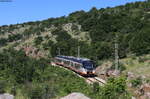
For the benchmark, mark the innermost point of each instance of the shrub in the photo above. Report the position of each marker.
(2, 86)
(3, 41)
(38, 40)
(13, 90)
(36, 93)
(96, 87)
(121, 66)
(41, 91)
(115, 89)
(142, 59)
(136, 82)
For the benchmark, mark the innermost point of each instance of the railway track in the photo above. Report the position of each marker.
(90, 80)
(96, 79)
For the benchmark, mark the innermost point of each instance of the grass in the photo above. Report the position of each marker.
(138, 65)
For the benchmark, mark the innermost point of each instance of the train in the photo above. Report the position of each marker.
(82, 66)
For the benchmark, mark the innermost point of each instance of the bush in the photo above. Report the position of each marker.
(3, 41)
(121, 66)
(14, 37)
(136, 82)
(48, 44)
(41, 91)
(115, 89)
(142, 59)
(36, 93)
(38, 40)
(13, 90)
(96, 87)
(2, 87)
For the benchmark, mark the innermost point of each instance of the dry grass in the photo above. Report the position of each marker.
(137, 67)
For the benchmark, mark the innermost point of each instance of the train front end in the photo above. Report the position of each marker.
(89, 69)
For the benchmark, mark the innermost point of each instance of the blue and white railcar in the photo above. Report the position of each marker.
(82, 66)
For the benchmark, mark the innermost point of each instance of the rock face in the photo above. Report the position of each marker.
(33, 52)
(6, 96)
(75, 96)
(145, 90)
(102, 70)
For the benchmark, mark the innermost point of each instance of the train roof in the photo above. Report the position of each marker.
(75, 59)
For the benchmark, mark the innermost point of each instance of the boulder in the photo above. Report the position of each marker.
(145, 91)
(6, 96)
(145, 88)
(75, 96)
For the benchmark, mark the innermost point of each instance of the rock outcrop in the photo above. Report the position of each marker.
(6, 96)
(75, 96)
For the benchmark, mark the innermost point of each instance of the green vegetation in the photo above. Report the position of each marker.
(38, 40)
(30, 78)
(137, 65)
(35, 78)
(2, 87)
(136, 82)
(121, 66)
(95, 32)
(114, 89)
(3, 41)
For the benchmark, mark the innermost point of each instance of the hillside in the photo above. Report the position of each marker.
(94, 30)
(29, 78)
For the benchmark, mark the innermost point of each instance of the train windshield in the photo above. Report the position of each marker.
(88, 64)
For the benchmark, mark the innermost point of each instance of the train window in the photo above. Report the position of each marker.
(58, 60)
(71, 63)
(66, 62)
(77, 66)
(53, 60)
(63, 60)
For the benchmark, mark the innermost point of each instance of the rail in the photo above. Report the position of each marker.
(96, 79)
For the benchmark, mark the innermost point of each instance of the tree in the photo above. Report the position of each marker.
(38, 40)
(140, 43)
(3, 41)
(103, 50)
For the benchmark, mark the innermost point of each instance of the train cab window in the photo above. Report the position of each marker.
(88, 65)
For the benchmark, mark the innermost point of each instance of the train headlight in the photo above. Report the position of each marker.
(84, 70)
(93, 71)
